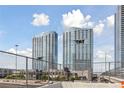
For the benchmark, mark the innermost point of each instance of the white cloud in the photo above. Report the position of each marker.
(100, 56)
(12, 50)
(99, 28)
(87, 18)
(76, 19)
(100, 52)
(26, 52)
(90, 24)
(40, 19)
(110, 21)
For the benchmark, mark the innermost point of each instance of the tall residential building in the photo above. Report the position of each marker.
(45, 47)
(119, 37)
(78, 49)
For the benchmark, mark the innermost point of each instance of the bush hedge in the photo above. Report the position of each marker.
(15, 76)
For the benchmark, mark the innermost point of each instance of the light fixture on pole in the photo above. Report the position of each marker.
(105, 62)
(16, 46)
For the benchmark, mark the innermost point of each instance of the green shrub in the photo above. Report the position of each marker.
(44, 77)
(77, 78)
(72, 78)
(62, 78)
(15, 76)
(59, 78)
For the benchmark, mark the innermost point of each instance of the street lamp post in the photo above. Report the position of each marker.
(105, 62)
(16, 58)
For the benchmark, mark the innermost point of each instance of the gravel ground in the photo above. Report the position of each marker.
(20, 83)
(54, 85)
(90, 85)
(65, 84)
(4, 85)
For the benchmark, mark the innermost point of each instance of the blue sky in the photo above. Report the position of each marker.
(16, 26)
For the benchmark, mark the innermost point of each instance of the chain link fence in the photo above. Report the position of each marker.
(18, 71)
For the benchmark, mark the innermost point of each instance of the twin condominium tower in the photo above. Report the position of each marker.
(77, 47)
(45, 47)
(77, 50)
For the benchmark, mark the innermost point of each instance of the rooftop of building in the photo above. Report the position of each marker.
(45, 33)
(76, 29)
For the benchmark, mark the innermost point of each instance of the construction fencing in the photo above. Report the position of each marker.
(18, 70)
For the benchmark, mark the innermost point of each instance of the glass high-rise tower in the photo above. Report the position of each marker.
(45, 47)
(119, 37)
(78, 49)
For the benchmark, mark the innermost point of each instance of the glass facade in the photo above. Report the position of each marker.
(119, 37)
(78, 49)
(45, 46)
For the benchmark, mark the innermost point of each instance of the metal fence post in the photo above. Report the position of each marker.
(27, 72)
(60, 68)
(48, 72)
(105, 63)
(109, 71)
